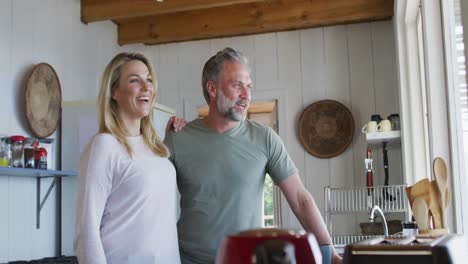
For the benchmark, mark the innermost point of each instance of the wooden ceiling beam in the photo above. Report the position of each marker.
(98, 10)
(250, 19)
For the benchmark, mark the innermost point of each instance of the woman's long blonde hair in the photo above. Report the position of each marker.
(109, 119)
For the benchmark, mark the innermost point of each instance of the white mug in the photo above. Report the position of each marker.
(370, 127)
(384, 126)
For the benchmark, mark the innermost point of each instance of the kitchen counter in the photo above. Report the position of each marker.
(408, 250)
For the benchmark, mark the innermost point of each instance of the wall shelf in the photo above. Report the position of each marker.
(38, 174)
(380, 137)
(35, 173)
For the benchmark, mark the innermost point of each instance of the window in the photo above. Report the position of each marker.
(423, 88)
(458, 98)
(427, 103)
(265, 113)
(411, 48)
(459, 72)
(268, 203)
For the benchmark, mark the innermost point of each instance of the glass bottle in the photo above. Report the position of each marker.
(395, 121)
(5, 154)
(17, 151)
(29, 157)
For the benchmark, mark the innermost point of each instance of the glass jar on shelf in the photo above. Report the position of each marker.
(41, 159)
(5, 154)
(30, 146)
(17, 151)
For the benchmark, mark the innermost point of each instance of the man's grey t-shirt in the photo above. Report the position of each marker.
(220, 178)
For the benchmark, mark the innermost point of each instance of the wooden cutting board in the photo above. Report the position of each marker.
(43, 100)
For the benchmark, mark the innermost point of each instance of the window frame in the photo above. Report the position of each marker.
(409, 74)
(456, 135)
(412, 110)
(464, 14)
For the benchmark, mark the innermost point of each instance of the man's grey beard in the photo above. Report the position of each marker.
(227, 107)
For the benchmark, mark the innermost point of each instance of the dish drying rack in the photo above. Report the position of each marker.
(391, 199)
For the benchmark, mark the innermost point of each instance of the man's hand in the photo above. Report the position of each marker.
(175, 124)
(336, 259)
(307, 212)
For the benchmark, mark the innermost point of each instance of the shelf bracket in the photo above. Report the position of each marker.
(40, 203)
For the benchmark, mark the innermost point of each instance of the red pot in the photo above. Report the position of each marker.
(240, 248)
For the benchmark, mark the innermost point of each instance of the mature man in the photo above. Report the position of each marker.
(221, 162)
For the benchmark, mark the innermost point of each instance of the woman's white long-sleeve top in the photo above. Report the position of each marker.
(127, 210)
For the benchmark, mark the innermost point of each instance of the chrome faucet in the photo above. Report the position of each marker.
(384, 221)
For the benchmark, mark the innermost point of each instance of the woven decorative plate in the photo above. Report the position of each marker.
(326, 128)
(43, 99)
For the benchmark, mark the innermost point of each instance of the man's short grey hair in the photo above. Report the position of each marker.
(214, 66)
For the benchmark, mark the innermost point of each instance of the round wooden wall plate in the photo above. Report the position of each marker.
(43, 98)
(326, 128)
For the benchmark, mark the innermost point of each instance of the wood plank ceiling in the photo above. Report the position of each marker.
(153, 22)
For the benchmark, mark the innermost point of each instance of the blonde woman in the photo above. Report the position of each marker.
(127, 187)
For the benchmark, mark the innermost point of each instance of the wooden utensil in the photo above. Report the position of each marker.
(420, 213)
(419, 189)
(435, 206)
(447, 198)
(440, 174)
(429, 191)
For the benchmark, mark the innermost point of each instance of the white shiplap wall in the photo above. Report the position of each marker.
(32, 32)
(354, 64)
